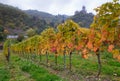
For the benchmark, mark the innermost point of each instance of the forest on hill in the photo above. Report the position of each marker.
(52, 20)
(82, 17)
(17, 21)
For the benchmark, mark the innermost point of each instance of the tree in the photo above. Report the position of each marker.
(68, 31)
(6, 50)
(105, 25)
(30, 32)
(20, 38)
(108, 16)
(3, 34)
(48, 36)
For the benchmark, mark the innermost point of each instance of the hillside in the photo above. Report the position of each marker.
(52, 20)
(83, 18)
(16, 21)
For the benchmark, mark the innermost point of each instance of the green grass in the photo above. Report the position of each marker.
(4, 74)
(82, 67)
(88, 67)
(37, 73)
(22, 70)
(4, 71)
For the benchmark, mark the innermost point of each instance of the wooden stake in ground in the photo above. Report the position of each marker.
(8, 55)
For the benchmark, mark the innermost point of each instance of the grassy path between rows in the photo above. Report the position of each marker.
(23, 70)
(4, 71)
(11, 71)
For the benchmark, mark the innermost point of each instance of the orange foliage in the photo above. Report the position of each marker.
(84, 53)
(119, 35)
(104, 35)
(70, 45)
(95, 49)
(103, 38)
(78, 47)
(118, 58)
(84, 56)
(90, 45)
(6, 31)
(110, 48)
(53, 49)
(91, 35)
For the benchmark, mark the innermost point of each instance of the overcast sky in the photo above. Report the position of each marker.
(55, 7)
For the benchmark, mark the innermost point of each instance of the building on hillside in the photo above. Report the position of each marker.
(83, 10)
(12, 36)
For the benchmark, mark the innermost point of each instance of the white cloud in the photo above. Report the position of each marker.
(56, 6)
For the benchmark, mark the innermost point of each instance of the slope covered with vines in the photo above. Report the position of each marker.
(69, 38)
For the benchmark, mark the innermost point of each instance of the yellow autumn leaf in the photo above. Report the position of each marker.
(115, 53)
